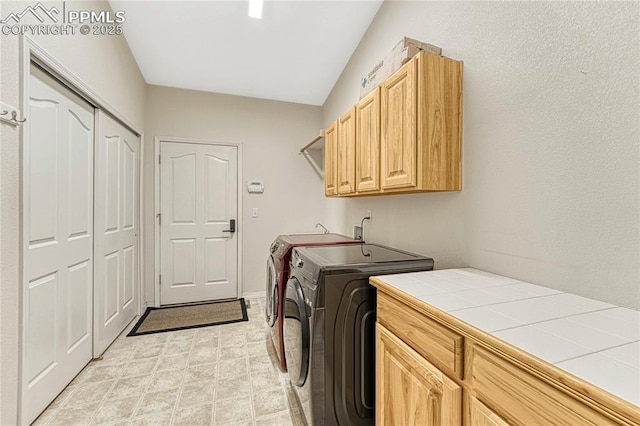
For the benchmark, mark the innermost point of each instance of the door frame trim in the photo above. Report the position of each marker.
(156, 206)
(32, 52)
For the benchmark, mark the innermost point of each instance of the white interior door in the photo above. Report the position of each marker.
(198, 200)
(116, 230)
(57, 241)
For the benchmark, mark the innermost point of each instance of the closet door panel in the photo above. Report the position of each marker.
(57, 241)
(116, 217)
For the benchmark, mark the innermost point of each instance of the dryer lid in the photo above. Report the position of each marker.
(357, 254)
(310, 239)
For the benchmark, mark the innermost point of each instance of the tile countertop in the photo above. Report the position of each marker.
(595, 341)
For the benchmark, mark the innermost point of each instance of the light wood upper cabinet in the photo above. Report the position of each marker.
(368, 143)
(410, 390)
(330, 159)
(421, 113)
(398, 115)
(439, 123)
(347, 152)
(416, 115)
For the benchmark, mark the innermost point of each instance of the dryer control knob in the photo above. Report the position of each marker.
(299, 263)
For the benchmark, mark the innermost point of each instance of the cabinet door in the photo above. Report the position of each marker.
(330, 159)
(347, 152)
(409, 389)
(481, 415)
(399, 128)
(368, 143)
(439, 123)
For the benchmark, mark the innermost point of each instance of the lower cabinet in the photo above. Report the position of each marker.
(481, 415)
(432, 369)
(520, 397)
(409, 389)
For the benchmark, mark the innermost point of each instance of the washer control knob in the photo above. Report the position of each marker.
(299, 263)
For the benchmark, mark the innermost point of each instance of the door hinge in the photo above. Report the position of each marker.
(159, 159)
(159, 219)
(160, 279)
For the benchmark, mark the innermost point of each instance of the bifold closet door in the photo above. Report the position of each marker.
(57, 241)
(116, 229)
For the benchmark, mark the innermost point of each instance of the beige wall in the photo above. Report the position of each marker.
(271, 134)
(551, 131)
(105, 64)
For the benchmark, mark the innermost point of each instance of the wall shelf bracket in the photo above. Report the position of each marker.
(314, 153)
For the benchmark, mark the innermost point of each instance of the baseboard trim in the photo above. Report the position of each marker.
(254, 294)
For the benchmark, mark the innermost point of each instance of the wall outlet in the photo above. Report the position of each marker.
(370, 215)
(357, 232)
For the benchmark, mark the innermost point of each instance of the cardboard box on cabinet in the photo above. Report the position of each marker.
(404, 50)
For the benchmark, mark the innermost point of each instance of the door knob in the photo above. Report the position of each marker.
(232, 226)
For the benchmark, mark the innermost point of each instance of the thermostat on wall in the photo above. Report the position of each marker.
(255, 187)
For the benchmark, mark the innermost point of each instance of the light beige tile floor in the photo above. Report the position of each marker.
(221, 375)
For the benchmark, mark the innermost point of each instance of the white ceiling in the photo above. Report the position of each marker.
(295, 53)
